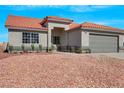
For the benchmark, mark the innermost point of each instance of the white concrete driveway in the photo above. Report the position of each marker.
(114, 55)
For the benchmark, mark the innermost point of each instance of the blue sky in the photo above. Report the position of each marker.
(102, 14)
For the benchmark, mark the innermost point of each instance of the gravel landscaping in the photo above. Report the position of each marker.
(61, 70)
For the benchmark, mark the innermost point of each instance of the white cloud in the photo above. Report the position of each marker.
(109, 22)
(75, 8)
(23, 7)
(88, 8)
(31, 7)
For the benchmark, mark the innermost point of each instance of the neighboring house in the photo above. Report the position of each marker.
(3, 46)
(63, 32)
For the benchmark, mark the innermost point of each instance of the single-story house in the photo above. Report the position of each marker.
(63, 32)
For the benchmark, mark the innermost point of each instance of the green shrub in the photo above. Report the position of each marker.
(7, 47)
(72, 49)
(54, 47)
(40, 47)
(10, 48)
(86, 49)
(37, 49)
(32, 46)
(49, 49)
(79, 50)
(23, 47)
(17, 48)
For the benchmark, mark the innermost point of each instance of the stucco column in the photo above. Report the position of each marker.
(49, 43)
(85, 39)
(121, 41)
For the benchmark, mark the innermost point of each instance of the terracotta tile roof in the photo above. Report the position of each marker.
(98, 26)
(74, 25)
(89, 25)
(59, 18)
(34, 23)
(55, 18)
(24, 22)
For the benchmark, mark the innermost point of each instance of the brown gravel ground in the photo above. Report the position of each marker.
(5, 55)
(61, 70)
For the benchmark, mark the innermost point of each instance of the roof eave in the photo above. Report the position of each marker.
(25, 28)
(103, 30)
(73, 28)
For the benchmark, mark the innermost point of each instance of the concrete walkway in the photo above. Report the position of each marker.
(114, 55)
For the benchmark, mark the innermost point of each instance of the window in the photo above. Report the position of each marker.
(26, 37)
(34, 38)
(30, 37)
(56, 40)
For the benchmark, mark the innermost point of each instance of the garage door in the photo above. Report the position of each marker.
(103, 43)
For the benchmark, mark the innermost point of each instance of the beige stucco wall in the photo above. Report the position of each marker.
(121, 40)
(62, 34)
(15, 38)
(79, 38)
(74, 38)
(64, 38)
(84, 39)
(51, 26)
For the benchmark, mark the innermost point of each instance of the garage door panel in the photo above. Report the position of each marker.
(102, 43)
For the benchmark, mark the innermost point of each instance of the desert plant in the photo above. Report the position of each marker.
(54, 47)
(49, 49)
(40, 47)
(17, 48)
(7, 47)
(23, 47)
(32, 46)
(37, 49)
(72, 49)
(79, 50)
(10, 48)
(86, 49)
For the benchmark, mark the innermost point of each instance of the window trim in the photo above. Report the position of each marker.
(33, 38)
(56, 40)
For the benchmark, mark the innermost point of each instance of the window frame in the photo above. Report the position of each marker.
(56, 39)
(30, 38)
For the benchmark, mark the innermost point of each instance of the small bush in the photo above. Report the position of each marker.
(10, 48)
(37, 49)
(49, 49)
(54, 47)
(40, 47)
(78, 50)
(17, 48)
(32, 46)
(23, 47)
(86, 49)
(72, 49)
